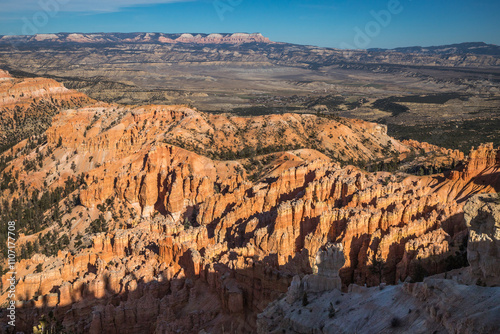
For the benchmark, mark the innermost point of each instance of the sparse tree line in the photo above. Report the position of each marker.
(36, 211)
(395, 165)
(18, 123)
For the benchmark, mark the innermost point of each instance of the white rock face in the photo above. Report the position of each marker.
(329, 260)
(295, 290)
(186, 36)
(44, 37)
(482, 216)
(434, 306)
(437, 305)
(328, 263)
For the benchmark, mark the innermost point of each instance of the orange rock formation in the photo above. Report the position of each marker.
(28, 104)
(195, 243)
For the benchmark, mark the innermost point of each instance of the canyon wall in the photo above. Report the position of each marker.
(27, 105)
(440, 304)
(209, 218)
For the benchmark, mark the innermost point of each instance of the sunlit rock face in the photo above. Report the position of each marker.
(236, 38)
(202, 237)
(461, 300)
(27, 105)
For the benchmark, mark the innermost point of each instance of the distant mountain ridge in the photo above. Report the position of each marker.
(238, 48)
(479, 48)
(160, 38)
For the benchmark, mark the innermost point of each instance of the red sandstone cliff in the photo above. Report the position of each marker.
(195, 243)
(27, 105)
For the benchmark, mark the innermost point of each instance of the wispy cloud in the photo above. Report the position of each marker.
(9, 6)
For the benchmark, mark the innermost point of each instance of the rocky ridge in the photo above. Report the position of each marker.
(461, 300)
(195, 243)
(482, 215)
(244, 48)
(101, 38)
(27, 105)
(433, 306)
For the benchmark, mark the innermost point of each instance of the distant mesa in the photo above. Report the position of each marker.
(479, 48)
(236, 38)
(44, 37)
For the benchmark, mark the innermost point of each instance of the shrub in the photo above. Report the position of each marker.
(305, 302)
(395, 322)
(419, 273)
(331, 311)
(187, 224)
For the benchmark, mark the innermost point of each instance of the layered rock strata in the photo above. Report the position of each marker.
(195, 244)
(440, 304)
(27, 105)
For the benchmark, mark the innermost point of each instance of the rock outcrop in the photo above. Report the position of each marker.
(482, 215)
(294, 54)
(434, 306)
(438, 304)
(177, 220)
(236, 38)
(325, 275)
(27, 105)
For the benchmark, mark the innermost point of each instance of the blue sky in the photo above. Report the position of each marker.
(342, 23)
